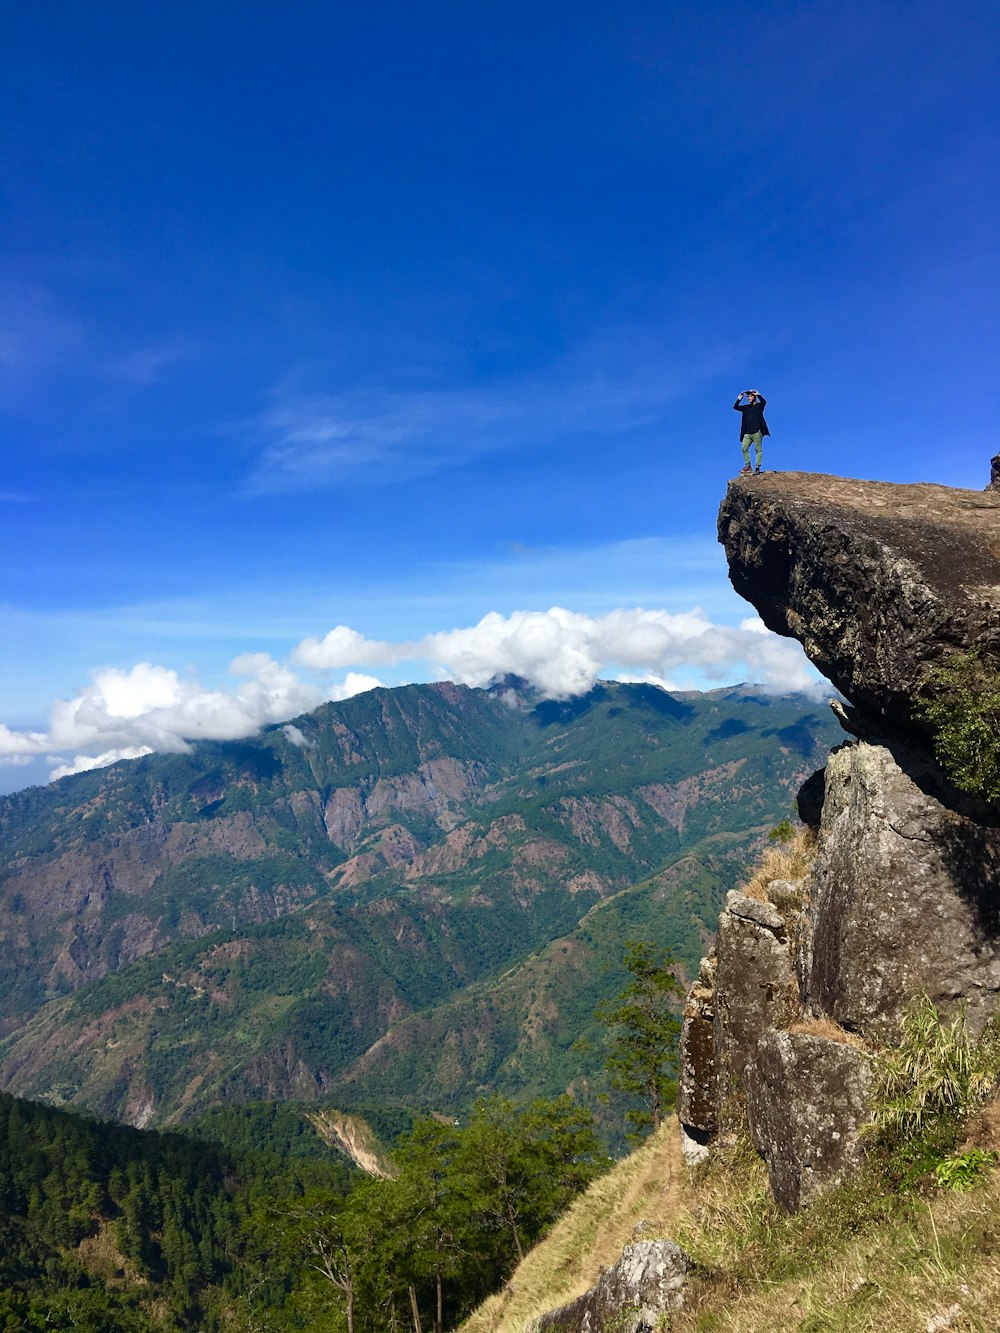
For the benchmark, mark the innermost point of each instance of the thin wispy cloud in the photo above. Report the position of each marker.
(38, 339)
(381, 435)
(145, 366)
(44, 342)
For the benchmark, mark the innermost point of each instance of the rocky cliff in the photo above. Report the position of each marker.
(881, 584)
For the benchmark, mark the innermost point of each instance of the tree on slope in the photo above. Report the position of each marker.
(645, 1025)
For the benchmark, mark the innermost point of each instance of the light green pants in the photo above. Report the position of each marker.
(755, 440)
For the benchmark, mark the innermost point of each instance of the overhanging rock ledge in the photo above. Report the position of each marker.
(879, 582)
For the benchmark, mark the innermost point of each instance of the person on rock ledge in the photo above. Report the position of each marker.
(753, 427)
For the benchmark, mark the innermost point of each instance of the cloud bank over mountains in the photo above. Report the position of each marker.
(562, 653)
(124, 714)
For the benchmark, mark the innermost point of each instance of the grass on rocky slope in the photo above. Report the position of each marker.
(864, 1259)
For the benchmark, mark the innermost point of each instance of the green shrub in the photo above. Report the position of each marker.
(965, 1171)
(961, 701)
(783, 832)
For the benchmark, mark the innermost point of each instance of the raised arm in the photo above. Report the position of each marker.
(736, 405)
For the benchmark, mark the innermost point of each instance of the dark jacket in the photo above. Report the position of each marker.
(753, 417)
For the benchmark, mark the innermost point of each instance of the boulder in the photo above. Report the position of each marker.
(807, 1098)
(879, 582)
(633, 1296)
(905, 896)
(756, 988)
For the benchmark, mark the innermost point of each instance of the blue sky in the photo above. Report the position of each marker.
(400, 315)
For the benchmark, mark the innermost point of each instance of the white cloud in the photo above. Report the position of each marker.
(345, 647)
(82, 763)
(353, 683)
(297, 737)
(122, 714)
(562, 653)
(648, 678)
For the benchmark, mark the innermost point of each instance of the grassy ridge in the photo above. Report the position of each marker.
(532, 1032)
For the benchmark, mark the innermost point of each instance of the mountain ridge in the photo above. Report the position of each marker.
(299, 898)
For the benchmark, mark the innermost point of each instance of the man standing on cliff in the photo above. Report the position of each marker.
(753, 427)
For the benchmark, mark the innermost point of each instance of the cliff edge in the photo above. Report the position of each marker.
(881, 584)
(878, 582)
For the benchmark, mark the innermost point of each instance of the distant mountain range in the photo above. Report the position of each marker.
(416, 895)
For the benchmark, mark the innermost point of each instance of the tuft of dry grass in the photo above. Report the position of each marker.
(891, 1272)
(639, 1196)
(822, 1026)
(102, 1257)
(783, 860)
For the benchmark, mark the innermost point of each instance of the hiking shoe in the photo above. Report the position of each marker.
(745, 471)
(758, 469)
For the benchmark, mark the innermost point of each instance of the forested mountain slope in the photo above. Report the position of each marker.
(284, 917)
(105, 1228)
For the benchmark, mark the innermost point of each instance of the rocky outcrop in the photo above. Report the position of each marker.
(879, 582)
(807, 1097)
(697, 1107)
(634, 1296)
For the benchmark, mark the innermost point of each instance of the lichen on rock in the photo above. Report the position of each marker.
(905, 895)
(807, 1097)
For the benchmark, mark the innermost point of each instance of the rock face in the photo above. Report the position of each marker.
(806, 1099)
(905, 895)
(879, 582)
(756, 989)
(645, 1284)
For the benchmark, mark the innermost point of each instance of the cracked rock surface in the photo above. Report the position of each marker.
(806, 1098)
(904, 895)
(755, 989)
